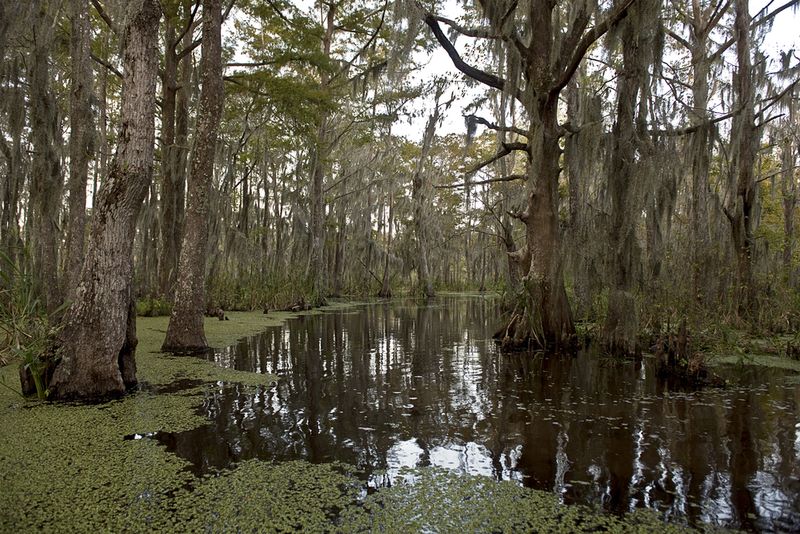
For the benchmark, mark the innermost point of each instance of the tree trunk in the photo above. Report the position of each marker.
(700, 157)
(98, 341)
(341, 238)
(386, 290)
(175, 128)
(45, 182)
(321, 151)
(10, 239)
(185, 331)
(419, 190)
(548, 318)
(622, 325)
(741, 214)
(169, 194)
(81, 142)
(789, 193)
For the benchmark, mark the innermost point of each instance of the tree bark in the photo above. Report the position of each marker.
(386, 290)
(170, 240)
(46, 182)
(321, 151)
(699, 152)
(419, 195)
(621, 327)
(185, 332)
(741, 214)
(98, 342)
(81, 142)
(547, 319)
(176, 94)
(789, 193)
(10, 238)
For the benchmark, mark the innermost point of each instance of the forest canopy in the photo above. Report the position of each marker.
(622, 164)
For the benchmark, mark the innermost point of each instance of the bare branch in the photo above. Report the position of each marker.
(189, 23)
(753, 25)
(371, 39)
(103, 15)
(505, 150)
(509, 178)
(678, 38)
(485, 78)
(497, 127)
(189, 49)
(479, 33)
(107, 65)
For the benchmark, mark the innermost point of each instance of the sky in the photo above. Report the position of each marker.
(784, 34)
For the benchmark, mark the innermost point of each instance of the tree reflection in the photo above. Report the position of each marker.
(406, 384)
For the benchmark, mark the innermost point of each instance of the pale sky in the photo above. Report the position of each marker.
(785, 34)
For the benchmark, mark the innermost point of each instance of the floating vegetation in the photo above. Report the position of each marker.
(439, 500)
(82, 467)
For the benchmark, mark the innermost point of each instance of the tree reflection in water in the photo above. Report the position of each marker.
(395, 385)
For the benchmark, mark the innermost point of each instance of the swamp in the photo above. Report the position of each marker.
(399, 266)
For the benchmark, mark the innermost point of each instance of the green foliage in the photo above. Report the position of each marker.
(438, 500)
(273, 291)
(153, 307)
(26, 329)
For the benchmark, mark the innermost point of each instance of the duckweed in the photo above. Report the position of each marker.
(67, 468)
(437, 500)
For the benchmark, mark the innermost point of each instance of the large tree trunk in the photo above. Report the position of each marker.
(700, 148)
(170, 241)
(45, 183)
(98, 341)
(547, 320)
(81, 142)
(321, 151)
(185, 331)
(622, 318)
(741, 214)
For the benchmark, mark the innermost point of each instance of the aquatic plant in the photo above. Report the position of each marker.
(26, 328)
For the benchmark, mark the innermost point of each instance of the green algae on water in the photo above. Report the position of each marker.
(438, 500)
(68, 468)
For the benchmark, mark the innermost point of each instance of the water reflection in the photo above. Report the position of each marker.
(396, 385)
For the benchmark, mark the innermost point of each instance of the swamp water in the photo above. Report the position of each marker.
(389, 386)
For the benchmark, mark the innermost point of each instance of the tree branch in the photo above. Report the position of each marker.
(505, 150)
(479, 33)
(476, 74)
(753, 25)
(371, 39)
(107, 65)
(678, 38)
(509, 178)
(189, 23)
(587, 41)
(188, 50)
(103, 15)
(497, 127)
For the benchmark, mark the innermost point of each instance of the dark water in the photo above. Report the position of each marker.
(388, 386)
